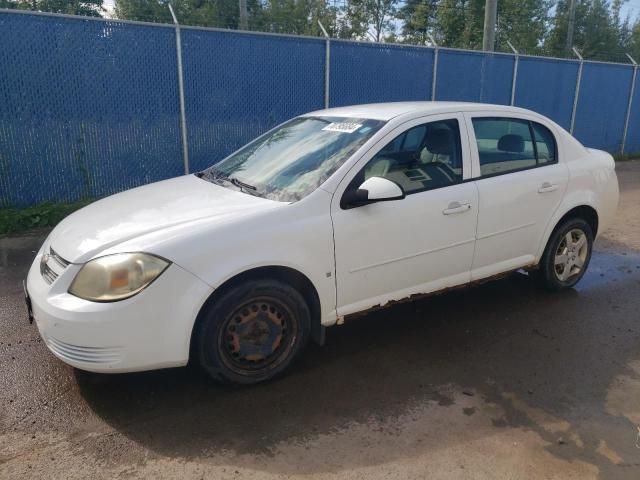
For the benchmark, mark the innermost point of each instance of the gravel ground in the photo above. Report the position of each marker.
(497, 381)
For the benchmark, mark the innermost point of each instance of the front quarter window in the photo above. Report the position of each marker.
(293, 160)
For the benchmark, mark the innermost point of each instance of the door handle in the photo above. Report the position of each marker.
(456, 207)
(547, 187)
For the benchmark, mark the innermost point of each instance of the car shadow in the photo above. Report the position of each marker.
(497, 342)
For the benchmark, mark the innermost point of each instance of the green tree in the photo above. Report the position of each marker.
(143, 10)
(212, 13)
(598, 31)
(601, 33)
(523, 23)
(88, 8)
(368, 19)
(8, 4)
(295, 16)
(352, 21)
(381, 14)
(460, 23)
(418, 20)
(634, 41)
(279, 16)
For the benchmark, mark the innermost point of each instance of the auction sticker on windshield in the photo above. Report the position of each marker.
(344, 127)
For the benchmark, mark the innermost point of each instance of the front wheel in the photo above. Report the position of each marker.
(252, 332)
(567, 255)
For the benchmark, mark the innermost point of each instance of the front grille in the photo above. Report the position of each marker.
(47, 273)
(76, 353)
(52, 265)
(58, 259)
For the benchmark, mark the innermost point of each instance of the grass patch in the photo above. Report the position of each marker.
(17, 220)
(626, 157)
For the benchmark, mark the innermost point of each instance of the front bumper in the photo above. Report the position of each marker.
(148, 331)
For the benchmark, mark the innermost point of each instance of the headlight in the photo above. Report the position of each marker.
(116, 277)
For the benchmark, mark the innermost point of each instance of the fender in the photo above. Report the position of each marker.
(328, 314)
(571, 201)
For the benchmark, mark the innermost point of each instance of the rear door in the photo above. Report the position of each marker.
(520, 181)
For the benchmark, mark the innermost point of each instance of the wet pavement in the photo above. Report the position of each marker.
(502, 380)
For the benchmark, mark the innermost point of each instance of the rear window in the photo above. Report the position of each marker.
(510, 144)
(545, 143)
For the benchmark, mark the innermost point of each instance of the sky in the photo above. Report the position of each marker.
(632, 8)
(108, 5)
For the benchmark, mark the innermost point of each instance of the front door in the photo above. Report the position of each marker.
(391, 250)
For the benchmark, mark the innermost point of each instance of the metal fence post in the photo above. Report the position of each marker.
(183, 116)
(514, 79)
(327, 64)
(434, 74)
(631, 92)
(577, 91)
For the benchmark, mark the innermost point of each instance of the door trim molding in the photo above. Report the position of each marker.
(413, 255)
(507, 230)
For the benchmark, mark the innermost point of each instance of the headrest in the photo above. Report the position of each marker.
(439, 141)
(511, 143)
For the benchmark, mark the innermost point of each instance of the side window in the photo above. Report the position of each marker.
(395, 145)
(545, 144)
(413, 138)
(504, 145)
(424, 157)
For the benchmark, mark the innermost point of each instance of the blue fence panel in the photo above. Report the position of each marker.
(87, 108)
(90, 107)
(474, 77)
(547, 86)
(238, 85)
(369, 73)
(633, 131)
(602, 105)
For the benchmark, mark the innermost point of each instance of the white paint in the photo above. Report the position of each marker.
(381, 189)
(356, 258)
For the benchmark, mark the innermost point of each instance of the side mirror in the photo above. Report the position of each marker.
(372, 190)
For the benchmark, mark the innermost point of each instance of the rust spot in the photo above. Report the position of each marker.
(421, 296)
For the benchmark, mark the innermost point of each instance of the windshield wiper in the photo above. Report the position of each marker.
(220, 177)
(240, 184)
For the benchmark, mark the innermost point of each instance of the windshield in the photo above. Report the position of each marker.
(291, 161)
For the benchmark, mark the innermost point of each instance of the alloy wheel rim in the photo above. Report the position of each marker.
(571, 255)
(257, 335)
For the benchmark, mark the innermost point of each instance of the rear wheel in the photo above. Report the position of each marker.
(567, 254)
(252, 332)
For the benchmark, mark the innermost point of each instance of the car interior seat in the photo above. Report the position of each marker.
(438, 146)
(511, 143)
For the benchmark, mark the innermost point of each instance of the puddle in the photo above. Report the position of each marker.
(609, 267)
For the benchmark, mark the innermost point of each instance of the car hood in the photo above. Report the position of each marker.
(124, 216)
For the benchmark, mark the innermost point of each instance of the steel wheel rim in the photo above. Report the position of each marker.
(258, 335)
(571, 255)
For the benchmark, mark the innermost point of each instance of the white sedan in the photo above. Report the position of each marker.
(329, 214)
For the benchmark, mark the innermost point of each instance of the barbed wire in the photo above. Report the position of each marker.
(283, 22)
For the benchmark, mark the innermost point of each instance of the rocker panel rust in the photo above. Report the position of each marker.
(422, 296)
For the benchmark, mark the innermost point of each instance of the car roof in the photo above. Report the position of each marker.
(387, 111)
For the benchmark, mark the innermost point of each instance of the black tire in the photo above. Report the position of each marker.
(555, 277)
(252, 332)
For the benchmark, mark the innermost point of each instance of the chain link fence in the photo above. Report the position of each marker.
(90, 107)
